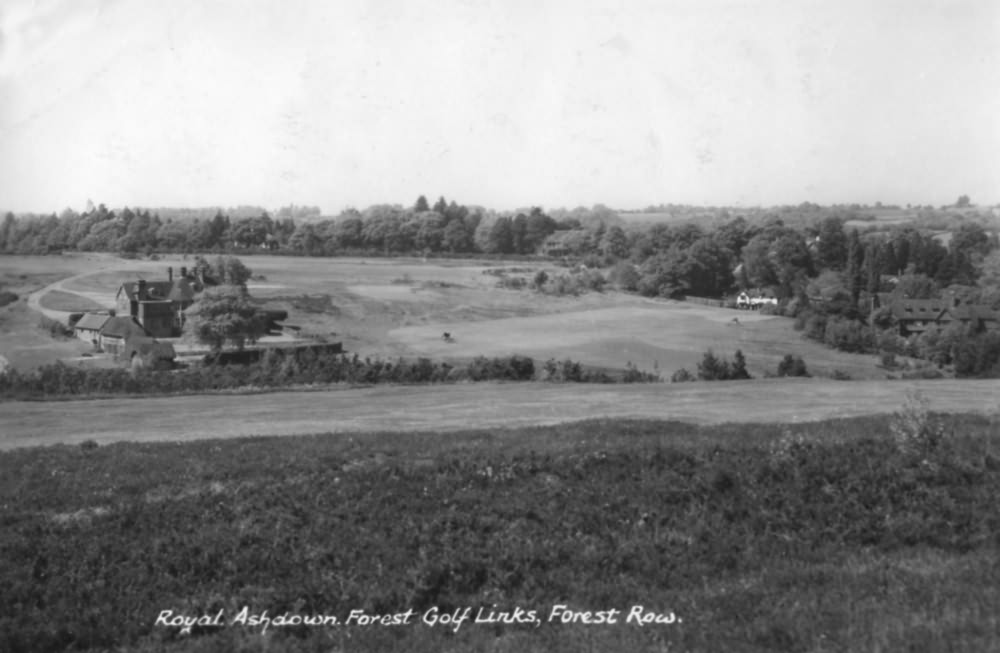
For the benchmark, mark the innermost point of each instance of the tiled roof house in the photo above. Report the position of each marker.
(914, 316)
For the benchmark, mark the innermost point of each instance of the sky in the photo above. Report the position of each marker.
(502, 104)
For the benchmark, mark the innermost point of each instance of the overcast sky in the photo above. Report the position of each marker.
(497, 103)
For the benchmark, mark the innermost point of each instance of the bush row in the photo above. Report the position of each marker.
(277, 370)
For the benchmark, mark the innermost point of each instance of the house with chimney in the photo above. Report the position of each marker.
(158, 306)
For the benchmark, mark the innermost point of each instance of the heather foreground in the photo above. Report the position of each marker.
(869, 534)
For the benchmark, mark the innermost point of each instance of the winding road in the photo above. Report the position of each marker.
(35, 298)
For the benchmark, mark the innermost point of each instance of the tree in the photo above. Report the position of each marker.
(538, 228)
(615, 243)
(792, 366)
(430, 231)
(738, 370)
(501, 237)
(456, 237)
(519, 233)
(348, 232)
(855, 261)
(305, 239)
(712, 368)
(664, 274)
(970, 239)
(6, 231)
(625, 276)
(707, 268)
(916, 286)
(832, 245)
(173, 236)
(224, 315)
(963, 202)
(421, 205)
(229, 270)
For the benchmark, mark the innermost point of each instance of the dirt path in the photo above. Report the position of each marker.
(483, 405)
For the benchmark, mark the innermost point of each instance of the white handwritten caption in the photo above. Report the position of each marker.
(636, 615)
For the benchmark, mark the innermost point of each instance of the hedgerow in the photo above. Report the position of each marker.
(277, 369)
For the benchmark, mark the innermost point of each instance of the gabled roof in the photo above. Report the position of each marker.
(976, 312)
(181, 291)
(919, 309)
(178, 290)
(92, 321)
(122, 327)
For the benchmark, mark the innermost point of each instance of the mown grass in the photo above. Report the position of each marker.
(844, 535)
(59, 300)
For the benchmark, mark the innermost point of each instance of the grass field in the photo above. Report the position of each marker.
(830, 536)
(653, 335)
(400, 307)
(60, 300)
(404, 409)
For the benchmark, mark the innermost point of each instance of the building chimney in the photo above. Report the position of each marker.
(170, 273)
(141, 294)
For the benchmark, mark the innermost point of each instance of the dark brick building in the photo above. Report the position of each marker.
(157, 305)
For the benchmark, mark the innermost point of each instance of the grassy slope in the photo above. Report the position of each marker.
(817, 537)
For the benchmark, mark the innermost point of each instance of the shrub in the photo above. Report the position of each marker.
(815, 326)
(634, 375)
(562, 284)
(55, 328)
(512, 283)
(792, 366)
(592, 280)
(682, 376)
(889, 341)
(847, 335)
(625, 276)
(7, 297)
(913, 428)
(716, 368)
(514, 368)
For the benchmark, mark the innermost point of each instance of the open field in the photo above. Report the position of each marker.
(400, 307)
(654, 335)
(816, 537)
(479, 405)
